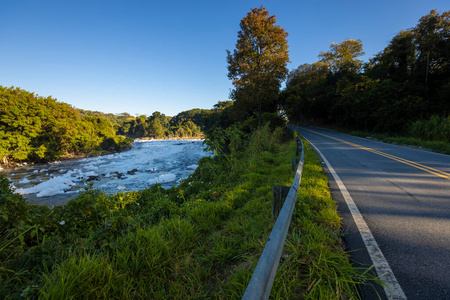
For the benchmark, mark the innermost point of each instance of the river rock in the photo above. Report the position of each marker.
(132, 172)
(92, 178)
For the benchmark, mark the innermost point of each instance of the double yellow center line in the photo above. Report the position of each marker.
(396, 158)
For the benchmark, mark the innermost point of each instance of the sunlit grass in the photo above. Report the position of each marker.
(419, 143)
(199, 240)
(314, 263)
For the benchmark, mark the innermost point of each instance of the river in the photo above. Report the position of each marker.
(148, 162)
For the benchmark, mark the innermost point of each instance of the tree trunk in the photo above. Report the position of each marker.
(259, 113)
(426, 75)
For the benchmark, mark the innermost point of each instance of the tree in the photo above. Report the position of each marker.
(157, 122)
(258, 64)
(397, 61)
(342, 57)
(34, 128)
(305, 93)
(433, 43)
(221, 105)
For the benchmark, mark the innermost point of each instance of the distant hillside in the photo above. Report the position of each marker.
(116, 119)
(191, 123)
(34, 128)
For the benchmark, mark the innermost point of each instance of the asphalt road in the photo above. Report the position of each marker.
(403, 195)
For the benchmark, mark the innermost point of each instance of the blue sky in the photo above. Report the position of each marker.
(170, 56)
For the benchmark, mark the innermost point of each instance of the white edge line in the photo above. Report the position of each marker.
(392, 287)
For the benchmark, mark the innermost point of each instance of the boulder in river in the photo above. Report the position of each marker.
(92, 178)
(132, 172)
(118, 174)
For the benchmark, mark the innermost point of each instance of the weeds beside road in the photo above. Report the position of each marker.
(201, 239)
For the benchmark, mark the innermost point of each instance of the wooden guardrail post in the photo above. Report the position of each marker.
(279, 193)
(299, 146)
(295, 162)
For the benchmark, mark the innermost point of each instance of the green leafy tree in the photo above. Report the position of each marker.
(258, 64)
(407, 82)
(304, 96)
(343, 57)
(34, 128)
(432, 37)
(397, 61)
(157, 124)
(221, 105)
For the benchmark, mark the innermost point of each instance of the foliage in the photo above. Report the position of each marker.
(433, 45)
(306, 91)
(116, 119)
(408, 81)
(193, 123)
(200, 239)
(435, 128)
(258, 64)
(342, 57)
(314, 246)
(34, 128)
(226, 141)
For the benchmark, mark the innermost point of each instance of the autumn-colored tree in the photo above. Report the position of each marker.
(258, 64)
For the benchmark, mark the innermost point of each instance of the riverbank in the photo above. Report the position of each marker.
(74, 156)
(200, 137)
(200, 239)
(64, 157)
(148, 162)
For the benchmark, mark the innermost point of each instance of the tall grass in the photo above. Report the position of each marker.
(199, 240)
(315, 264)
(436, 128)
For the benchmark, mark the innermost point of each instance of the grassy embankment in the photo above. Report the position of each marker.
(201, 239)
(430, 134)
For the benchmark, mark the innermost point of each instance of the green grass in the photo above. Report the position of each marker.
(315, 264)
(435, 128)
(200, 240)
(419, 143)
(431, 134)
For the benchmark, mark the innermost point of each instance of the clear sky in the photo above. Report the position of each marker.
(170, 56)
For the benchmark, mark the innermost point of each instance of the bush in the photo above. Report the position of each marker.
(117, 143)
(436, 128)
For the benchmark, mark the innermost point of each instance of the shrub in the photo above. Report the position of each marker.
(436, 128)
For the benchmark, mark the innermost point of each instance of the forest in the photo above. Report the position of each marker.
(203, 238)
(34, 128)
(194, 123)
(38, 129)
(404, 89)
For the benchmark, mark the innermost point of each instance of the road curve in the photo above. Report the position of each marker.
(403, 195)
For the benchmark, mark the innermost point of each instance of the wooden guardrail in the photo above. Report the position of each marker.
(261, 282)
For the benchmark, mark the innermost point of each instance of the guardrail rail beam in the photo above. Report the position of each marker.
(262, 279)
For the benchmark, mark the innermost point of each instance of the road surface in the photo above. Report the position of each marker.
(396, 214)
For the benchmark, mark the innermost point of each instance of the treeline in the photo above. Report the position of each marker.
(38, 129)
(187, 124)
(406, 82)
(195, 239)
(116, 119)
(404, 88)
(192, 123)
(34, 128)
